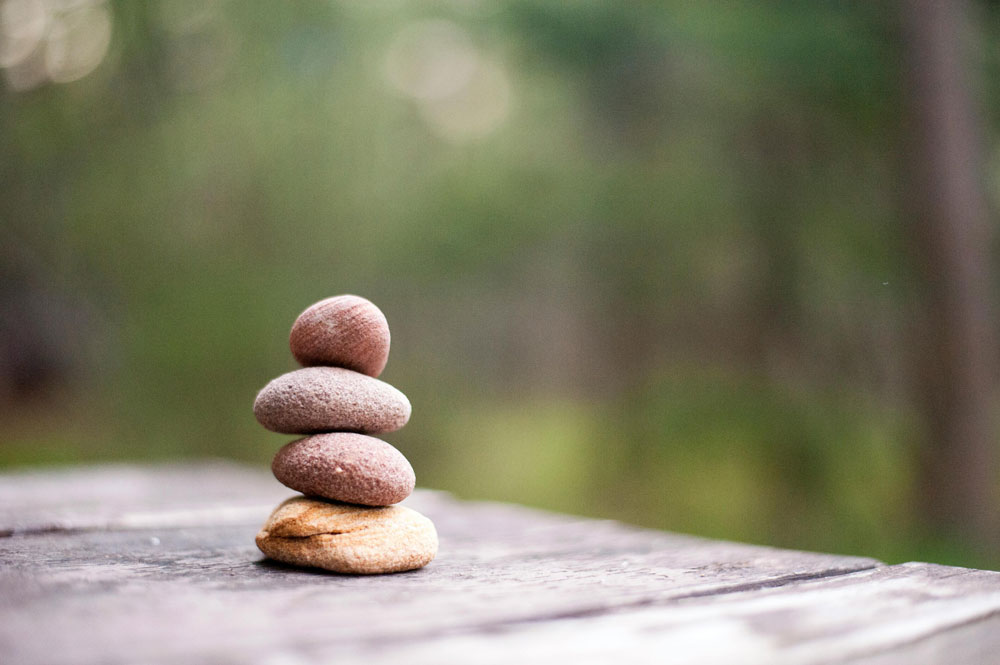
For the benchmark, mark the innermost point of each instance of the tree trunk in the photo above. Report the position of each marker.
(952, 239)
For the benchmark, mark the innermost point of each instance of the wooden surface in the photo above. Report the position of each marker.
(136, 565)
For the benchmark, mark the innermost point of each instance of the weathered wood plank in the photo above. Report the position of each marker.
(128, 496)
(912, 613)
(509, 583)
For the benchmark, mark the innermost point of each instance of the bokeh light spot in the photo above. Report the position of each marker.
(431, 60)
(462, 95)
(478, 109)
(23, 24)
(77, 43)
(52, 40)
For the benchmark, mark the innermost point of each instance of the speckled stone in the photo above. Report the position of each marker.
(326, 399)
(342, 466)
(346, 538)
(343, 331)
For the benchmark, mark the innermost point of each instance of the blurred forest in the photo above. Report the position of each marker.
(682, 264)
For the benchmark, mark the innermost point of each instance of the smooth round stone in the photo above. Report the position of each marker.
(348, 539)
(342, 466)
(326, 399)
(343, 331)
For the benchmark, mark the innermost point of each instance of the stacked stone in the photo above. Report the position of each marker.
(346, 522)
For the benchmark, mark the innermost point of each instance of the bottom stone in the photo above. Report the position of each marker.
(346, 538)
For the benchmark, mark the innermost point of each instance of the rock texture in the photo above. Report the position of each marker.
(325, 399)
(343, 331)
(348, 539)
(348, 524)
(345, 467)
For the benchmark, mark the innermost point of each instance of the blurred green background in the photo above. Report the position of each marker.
(644, 261)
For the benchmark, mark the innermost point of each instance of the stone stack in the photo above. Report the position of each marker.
(346, 522)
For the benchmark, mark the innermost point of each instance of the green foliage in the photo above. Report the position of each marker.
(671, 286)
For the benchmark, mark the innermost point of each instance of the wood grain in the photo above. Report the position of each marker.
(124, 565)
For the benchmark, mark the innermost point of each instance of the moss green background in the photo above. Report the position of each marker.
(667, 278)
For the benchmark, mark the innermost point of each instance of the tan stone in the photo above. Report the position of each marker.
(346, 538)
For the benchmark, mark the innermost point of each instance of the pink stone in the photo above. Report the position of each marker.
(343, 331)
(342, 466)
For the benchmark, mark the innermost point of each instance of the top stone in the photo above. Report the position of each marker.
(343, 331)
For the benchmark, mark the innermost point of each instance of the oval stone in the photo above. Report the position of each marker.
(348, 539)
(326, 399)
(343, 331)
(342, 466)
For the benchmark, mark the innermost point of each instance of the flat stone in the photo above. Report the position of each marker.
(343, 466)
(343, 331)
(327, 399)
(346, 538)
